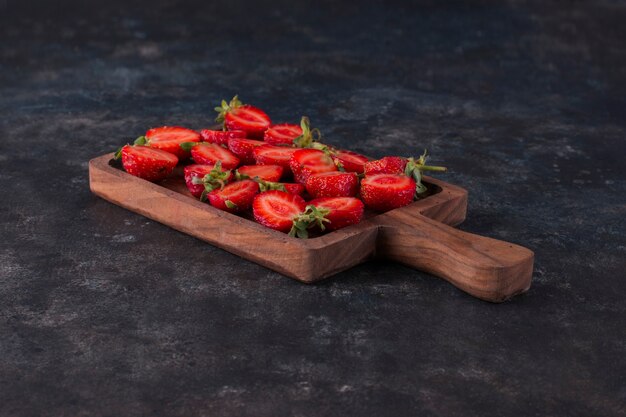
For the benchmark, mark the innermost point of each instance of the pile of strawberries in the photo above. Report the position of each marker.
(275, 169)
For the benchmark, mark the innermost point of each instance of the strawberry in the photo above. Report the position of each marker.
(343, 211)
(210, 153)
(350, 161)
(264, 172)
(244, 148)
(238, 116)
(169, 138)
(409, 166)
(282, 134)
(274, 155)
(332, 184)
(235, 197)
(306, 162)
(204, 178)
(148, 163)
(383, 192)
(277, 209)
(386, 165)
(221, 136)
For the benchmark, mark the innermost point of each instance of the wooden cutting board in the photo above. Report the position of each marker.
(419, 235)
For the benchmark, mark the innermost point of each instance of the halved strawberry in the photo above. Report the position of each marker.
(343, 211)
(333, 184)
(386, 165)
(238, 116)
(200, 178)
(235, 197)
(210, 153)
(282, 134)
(148, 163)
(306, 162)
(244, 148)
(383, 192)
(221, 136)
(265, 172)
(350, 161)
(274, 155)
(169, 138)
(277, 209)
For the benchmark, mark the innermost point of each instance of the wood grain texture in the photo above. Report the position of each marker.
(419, 235)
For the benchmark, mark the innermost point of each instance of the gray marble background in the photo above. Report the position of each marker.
(105, 313)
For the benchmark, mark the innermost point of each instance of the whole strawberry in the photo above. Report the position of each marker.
(146, 162)
(238, 116)
(332, 184)
(383, 192)
(221, 137)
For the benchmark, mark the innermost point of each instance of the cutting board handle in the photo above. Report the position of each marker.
(490, 269)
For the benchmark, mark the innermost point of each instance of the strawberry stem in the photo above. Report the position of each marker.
(414, 169)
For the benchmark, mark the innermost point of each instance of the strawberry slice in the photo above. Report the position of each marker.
(265, 172)
(238, 116)
(199, 178)
(235, 197)
(274, 155)
(386, 165)
(221, 136)
(343, 211)
(244, 148)
(169, 138)
(350, 161)
(333, 184)
(148, 163)
(282, 134)
(383, 192)
(277, 209)
(210, 153)
(307, 162)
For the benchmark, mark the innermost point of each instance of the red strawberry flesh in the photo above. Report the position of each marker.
(265, 172)
(383, 192)
(169, 138)
(282, 134)
(235, 197)
(351, 161)
(344, 211)
(307, 162)
(210, 153)
(277, 209)
(250, 119)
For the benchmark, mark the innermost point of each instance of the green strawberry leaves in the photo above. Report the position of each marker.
(215, 179)
(415, 168)
(225, 108)
(311, 217)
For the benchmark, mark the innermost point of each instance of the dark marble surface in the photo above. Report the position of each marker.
(104, 313)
